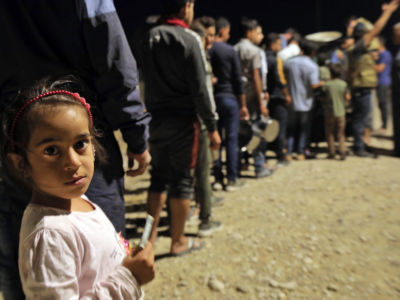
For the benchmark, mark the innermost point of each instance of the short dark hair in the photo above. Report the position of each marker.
(308, 47)
(248, 25)
(173, 6)
(198, 27)
(295, 37)
(221, 23)
(207, 21)
(272, 38)
(336, 70)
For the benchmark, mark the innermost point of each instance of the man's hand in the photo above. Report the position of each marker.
(215, 140)
(244, 113)
(288, 100)
(264, 111)
(141, 264)
(143, 160)
(391, 6)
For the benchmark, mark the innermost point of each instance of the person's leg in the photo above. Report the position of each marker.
(183, 154)
(341, 126)
(231, 125)
(109, 195)
(330, 134)
(217, 164)
(179, 211)
(303, 131)
(203, 192)
(361, 109)
(155, 203)
(291, 131)
(280, 114)
(107, 186)
(383, 94)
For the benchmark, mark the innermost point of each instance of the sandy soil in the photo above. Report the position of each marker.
(317, 229)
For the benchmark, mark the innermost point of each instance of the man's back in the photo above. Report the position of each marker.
(250, 60)
(301, 72)
(226, 67)
(174, 70)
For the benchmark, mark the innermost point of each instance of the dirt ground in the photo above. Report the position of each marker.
(317, 229)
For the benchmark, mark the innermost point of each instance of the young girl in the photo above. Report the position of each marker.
(68, 248)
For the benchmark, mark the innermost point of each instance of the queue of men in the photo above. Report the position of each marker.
(195, 81)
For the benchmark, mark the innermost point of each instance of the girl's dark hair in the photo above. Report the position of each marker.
(27, 120)
(248, 25)
(207, 21)
(198, 27)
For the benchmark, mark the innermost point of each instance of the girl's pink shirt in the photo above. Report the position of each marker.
(72, 255)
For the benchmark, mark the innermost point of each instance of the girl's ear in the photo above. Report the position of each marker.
(19, 164)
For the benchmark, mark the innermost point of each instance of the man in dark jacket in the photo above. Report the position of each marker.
(174, 69)
(84, 38)
(279, 97)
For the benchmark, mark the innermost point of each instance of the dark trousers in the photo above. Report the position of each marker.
(298, 128)
(279, 112)
(384, 98)
(203, 191)
(228, 111)
(361, 100)
(335, 127)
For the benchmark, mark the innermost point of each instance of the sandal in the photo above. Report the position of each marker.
(193, 245)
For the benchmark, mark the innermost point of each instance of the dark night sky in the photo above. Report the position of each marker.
(306, 16)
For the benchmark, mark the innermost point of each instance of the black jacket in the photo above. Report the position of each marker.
(174, 69)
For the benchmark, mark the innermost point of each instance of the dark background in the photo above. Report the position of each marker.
(307, 16)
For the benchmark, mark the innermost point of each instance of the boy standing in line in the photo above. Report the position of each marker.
(337, 94)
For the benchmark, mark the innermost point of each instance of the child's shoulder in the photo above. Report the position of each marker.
(37, 220)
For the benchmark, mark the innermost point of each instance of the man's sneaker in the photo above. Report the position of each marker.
(363, 153)
(263, 173)
(234, 185)
(218, 186)
(206, 228)
(217, 201)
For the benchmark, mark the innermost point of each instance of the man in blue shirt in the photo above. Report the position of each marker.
(384, 69)
(303, 77)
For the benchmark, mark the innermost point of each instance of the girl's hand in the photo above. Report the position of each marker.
(141, 264)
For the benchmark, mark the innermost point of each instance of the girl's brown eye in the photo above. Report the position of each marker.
(51, 151)
(81, 145)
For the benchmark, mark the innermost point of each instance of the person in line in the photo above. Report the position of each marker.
(383, 67)
(363, 76)
(250, 60)
(278, 93)
(89, 42)
(68, 248)
(174, 69)
(336, 96)
(203, 190)
(303, 78)
(231, 104)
